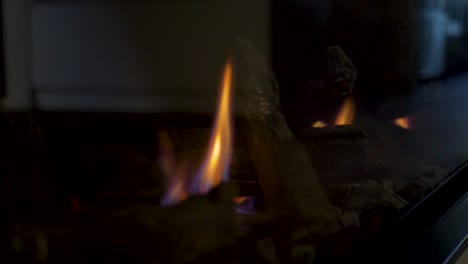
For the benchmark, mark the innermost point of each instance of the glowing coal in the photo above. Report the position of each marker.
(403, 122)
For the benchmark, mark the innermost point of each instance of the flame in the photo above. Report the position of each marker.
(403, 122)
(167, 157)
(215, 166)
(241, 199)
(346, 114)
(245, 205)
(176, 190)
(175, 175)
(319, 124)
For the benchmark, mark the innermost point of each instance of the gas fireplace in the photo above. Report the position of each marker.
(256, 131)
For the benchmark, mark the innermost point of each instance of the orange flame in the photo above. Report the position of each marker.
(175, 174)
(319, 124)
(215, 166)
(346, 114)
(403, 122)
(241, 199)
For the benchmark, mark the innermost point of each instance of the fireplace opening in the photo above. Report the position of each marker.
(248, 131)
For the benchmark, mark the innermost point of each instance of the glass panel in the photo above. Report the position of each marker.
(283, 131)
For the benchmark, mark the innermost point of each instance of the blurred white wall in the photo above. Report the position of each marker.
(138, 56)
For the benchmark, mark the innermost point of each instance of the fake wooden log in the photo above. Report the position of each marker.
(285, 174)
(341, 72)
(152, 234)
(323, 88)
(339, 153)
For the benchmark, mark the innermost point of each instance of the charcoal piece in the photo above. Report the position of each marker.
(339, 153)
(285, 174)
(150, 234)
(341, 72)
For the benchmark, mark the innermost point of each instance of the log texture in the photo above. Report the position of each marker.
(285, 174)
(150, 234)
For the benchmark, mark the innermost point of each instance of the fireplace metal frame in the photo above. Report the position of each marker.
(432, 231)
